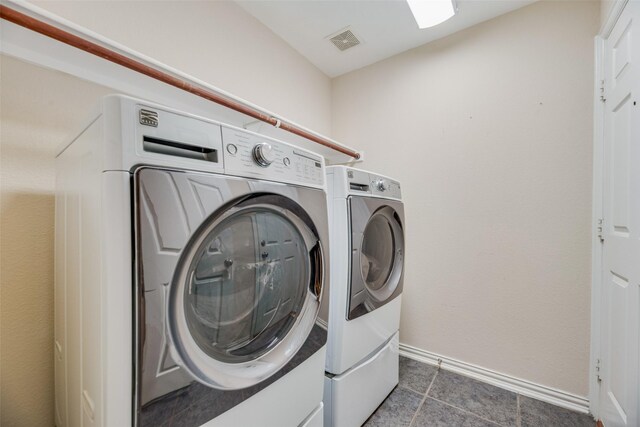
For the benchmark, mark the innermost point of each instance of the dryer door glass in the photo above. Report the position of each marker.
(246, 284)
(377, 255)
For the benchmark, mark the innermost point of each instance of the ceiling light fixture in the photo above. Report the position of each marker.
(429, 13)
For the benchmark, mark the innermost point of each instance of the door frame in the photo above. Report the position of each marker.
(597, 208)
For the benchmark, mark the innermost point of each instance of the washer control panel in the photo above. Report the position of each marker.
(263, 154)
(249, 154)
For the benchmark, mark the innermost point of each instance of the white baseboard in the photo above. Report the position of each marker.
(507, 382)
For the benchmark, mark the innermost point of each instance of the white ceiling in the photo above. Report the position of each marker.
(385, 27)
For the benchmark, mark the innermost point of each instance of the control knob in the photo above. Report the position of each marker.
(381, 185)
(263, 154)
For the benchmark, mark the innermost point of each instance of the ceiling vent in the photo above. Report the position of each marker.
(344, 40)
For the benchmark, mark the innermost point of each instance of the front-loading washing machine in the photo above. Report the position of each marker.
(367, 263)
(191, 274)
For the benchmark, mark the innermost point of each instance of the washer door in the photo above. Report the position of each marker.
(229, 276)
(245, 294)
(377, 260)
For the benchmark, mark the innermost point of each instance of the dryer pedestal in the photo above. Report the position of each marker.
(351, 398)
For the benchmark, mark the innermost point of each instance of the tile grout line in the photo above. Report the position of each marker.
(404, 387)
(467, 412)
(432, 381)
(426, 393)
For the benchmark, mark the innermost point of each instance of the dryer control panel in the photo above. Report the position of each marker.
(361, 182)
(249, 154)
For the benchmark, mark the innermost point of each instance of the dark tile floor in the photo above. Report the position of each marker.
(428, 397)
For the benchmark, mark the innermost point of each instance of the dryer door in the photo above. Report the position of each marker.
(377, 253)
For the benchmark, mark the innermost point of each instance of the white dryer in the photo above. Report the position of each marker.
(367, 264)
(190, 274)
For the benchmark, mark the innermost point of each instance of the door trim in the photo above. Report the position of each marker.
(597, 213)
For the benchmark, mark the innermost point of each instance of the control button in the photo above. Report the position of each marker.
(232, 149)
(286, 161)
(381, 185)
(263, 154)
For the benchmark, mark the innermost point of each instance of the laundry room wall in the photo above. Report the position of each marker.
(490, 133)
(215, 41)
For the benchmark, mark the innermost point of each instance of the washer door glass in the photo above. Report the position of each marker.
(377, 256)
(246, 285)
(246, 291)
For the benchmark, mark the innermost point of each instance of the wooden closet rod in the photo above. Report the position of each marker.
(56, 33)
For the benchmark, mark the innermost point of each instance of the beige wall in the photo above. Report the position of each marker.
(215, 41)
(490, 132)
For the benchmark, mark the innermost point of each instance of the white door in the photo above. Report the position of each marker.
(620, 298)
